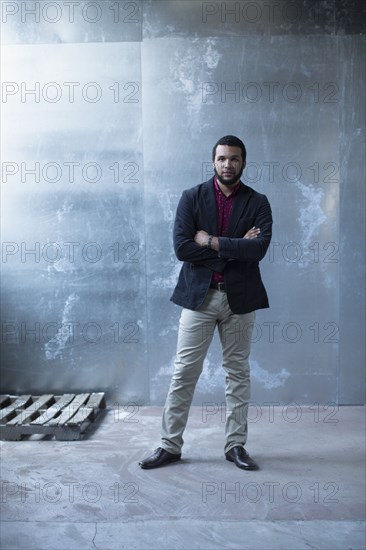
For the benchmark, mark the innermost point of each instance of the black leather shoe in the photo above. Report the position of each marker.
(160, 457)
(241, 458)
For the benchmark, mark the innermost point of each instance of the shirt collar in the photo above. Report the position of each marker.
(232, 194)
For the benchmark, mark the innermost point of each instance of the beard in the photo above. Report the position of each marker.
(232, 180)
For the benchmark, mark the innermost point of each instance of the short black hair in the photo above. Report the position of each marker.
(232, 141)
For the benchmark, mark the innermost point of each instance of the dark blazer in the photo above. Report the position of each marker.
(237, 258)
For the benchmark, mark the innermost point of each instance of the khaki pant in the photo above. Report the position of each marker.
(196, 330)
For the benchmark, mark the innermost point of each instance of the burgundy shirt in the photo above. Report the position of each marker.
(224, 206)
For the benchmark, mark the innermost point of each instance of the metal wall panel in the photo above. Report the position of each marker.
(352, 223)
(73, 220)
(257, 89)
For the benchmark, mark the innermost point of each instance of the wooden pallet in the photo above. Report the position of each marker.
(64, 416)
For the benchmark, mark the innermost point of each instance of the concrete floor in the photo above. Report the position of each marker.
(91, 494)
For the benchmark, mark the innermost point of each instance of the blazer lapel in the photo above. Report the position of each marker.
(240, 203)
(211, 208)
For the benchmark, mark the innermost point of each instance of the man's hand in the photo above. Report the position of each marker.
(201, 238)
(252, 233)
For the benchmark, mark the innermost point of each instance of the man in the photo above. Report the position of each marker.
(221, 232)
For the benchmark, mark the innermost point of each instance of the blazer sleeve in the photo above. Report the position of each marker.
(250, 250)
(184, 231)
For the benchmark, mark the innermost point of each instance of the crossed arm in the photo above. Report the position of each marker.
(201, 238)
(251, 247)
(191, 245)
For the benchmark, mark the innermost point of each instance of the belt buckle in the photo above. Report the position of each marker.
(219, 285)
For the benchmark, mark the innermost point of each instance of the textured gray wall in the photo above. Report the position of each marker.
(128, 99)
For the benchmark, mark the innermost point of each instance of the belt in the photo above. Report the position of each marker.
(218, 286)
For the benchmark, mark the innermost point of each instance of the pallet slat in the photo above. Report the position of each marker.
(71, 409)
(84, 413)
(96, 400)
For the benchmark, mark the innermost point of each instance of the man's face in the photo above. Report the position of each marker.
(228, 164)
